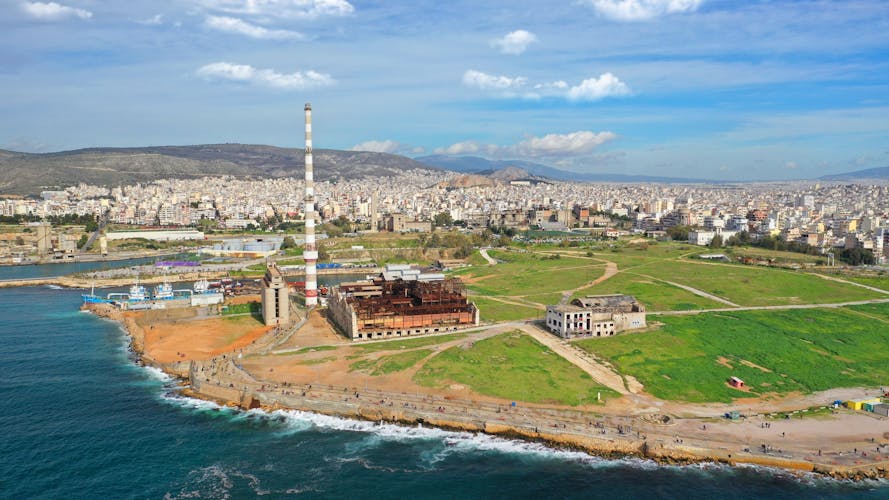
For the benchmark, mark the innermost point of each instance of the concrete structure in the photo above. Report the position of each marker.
(161, 235)
(275, 299)
(310, 254)
(251, 248)
(383, 308)
(374, 217)
(44, 238)
(398, 223)
(596, 316)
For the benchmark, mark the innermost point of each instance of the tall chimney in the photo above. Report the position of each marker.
(311, 252)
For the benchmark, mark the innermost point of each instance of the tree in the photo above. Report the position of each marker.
(678, 233)
(443, 219)
(82, 241)
(288, 243)
(716, 242)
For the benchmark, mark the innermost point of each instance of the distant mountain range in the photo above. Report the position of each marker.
(870, 173)
(475, 164)
(30, 173)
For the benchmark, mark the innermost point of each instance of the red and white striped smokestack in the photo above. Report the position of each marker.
(311, 252)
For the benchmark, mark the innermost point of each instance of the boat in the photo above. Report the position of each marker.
(92, 298)
(202, 286)
(137, 293)
(164, 291)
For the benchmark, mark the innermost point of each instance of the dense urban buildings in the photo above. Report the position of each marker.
(829, 216)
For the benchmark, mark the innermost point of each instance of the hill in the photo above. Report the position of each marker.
(28, 173)
(870, 173)
(475, 164)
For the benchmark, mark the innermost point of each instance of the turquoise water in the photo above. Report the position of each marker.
(81, 420)
(53, 270)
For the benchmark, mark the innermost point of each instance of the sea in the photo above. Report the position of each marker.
(80, 419)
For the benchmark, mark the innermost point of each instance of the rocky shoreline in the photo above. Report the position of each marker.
(221, 380)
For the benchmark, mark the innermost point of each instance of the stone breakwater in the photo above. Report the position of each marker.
(220, 379)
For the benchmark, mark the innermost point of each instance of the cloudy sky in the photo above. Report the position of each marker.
(719, 89)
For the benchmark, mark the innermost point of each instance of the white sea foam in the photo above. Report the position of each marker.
(455, 442)
(157, 374)
(54, 287)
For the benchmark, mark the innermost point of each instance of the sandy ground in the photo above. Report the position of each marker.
(185, 334)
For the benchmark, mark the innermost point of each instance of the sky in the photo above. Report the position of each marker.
(713, 89)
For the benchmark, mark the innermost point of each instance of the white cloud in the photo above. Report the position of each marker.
(52, 11)
(593, 89)
(573, 144)
(484, 81)
(302, 9)
(237, 26)
(515, 42)
(791, 165)
(640, 10)
(386, 146)
(153, 21)
(461, 148)
(266, 77)
(559, 84)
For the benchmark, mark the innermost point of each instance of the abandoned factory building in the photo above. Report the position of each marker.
(595, 316)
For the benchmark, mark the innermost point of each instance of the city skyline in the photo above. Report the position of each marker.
(685, 88)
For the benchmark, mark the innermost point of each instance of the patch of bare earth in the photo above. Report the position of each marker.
(754, 365)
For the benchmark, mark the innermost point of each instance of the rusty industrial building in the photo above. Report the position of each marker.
(386, 308)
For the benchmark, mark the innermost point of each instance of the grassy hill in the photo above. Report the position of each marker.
(27, 173)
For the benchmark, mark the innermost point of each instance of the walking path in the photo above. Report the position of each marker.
(840, 280)
(695, 291)
(583, 360)
(772, 308)
(484, 253)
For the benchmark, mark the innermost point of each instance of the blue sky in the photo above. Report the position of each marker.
(691, 88)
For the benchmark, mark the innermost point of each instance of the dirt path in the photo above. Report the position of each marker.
(771, 308)
(840, 280)
(693, 290)
(484, 253)
(583, 360)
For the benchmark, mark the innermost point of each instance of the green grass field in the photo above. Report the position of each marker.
(526, 273)
(396, 345)
(691, 357)
(254, 308)
(655, 295)
(881, 282)
(778, 256)
(493, 310)
(880, 311)
(756, 286)
(390, 363)
(512, 366)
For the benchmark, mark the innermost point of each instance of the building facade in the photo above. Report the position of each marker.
(386, 308)
(275, 298)
(596, 316)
